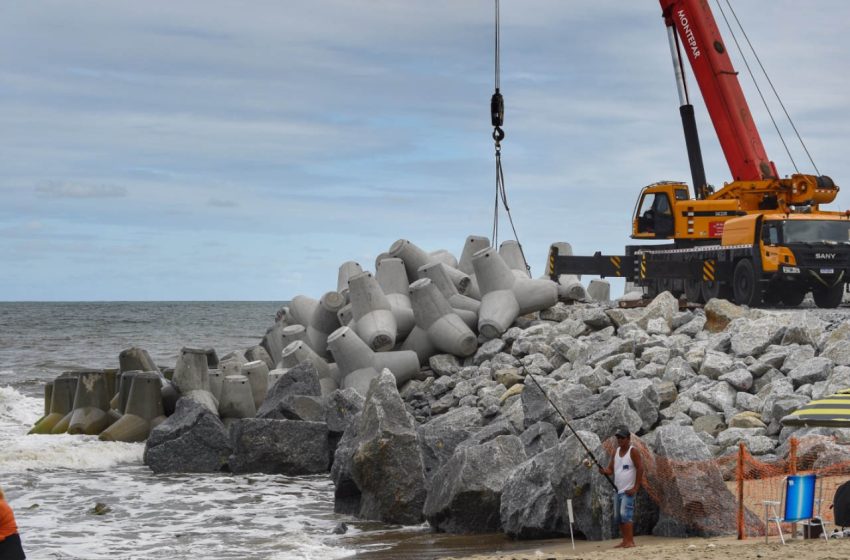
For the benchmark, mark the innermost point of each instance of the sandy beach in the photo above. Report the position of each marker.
(680, 549)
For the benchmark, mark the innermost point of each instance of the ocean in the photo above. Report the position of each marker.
(54, 482)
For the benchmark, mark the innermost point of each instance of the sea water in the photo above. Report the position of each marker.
(54, 482)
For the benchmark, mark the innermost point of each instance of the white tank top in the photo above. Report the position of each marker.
(624, 471)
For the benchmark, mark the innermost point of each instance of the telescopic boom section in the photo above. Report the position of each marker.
(720, 89)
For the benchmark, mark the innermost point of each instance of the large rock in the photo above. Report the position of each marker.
(664, 307)
(603, 423)
(280, 402)
(534, 498)
(342, 408)
(642, 396)
(468, 498)
(193, 439)
(386, 465)
(720, 312)
(538, 398)
(440, 436)
(289, 447)
(539, 437)
(811, 371)
(693, 497)
(751, 338)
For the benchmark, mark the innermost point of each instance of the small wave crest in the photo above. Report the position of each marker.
(22, 452)
(18, 409)
(50, 452)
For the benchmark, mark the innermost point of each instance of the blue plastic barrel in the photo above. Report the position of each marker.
(800, 497)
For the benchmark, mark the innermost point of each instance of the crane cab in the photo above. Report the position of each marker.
(666, 211)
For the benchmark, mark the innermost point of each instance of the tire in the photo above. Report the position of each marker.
(792, 296)
(745, 284)
(829, 298)
(693, 291)
(709, 289)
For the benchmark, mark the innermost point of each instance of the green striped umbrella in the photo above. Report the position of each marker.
(831, 412)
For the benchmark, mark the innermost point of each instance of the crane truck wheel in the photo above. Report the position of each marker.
(772, 295)
(745, 284)
(693, 291)
(709, 289)
(829, 298)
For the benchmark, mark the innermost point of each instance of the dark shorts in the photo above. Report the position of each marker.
(11, 549)
(624, 508)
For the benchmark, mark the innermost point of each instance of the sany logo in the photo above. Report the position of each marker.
(689, 33)
(825, 256)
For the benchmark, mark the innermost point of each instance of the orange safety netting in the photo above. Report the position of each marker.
(726, 495)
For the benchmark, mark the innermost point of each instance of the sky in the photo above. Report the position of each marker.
(213, 150)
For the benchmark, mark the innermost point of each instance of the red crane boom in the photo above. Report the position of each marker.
(721, 90)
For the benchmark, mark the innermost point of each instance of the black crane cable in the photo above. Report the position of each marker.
(497, 119)
(769, 81)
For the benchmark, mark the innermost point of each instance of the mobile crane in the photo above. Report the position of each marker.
(759, 239)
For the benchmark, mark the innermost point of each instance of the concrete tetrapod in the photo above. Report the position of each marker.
(374, 321)
(346, 271)
(216, 378)
(415, 258)
(472, 245)
(352, 354)
(511, 253)
(61, 404)
(323, 322)
(438, 275)
(444, 256)
(301, 309)
(298, 351)
(91, 404)
(191, 376)
(236, 398)
(435, 316)
(136, 359)
(273, 341)
(257, 373)
(504, 296)
(392, 277)
(143, 411)
(48, 396)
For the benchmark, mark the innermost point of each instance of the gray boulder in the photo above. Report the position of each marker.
(439, 437)
(642, 396)
(468, 499)
(539, 437)
(536, 399)
(193, 439)
(693, 496)
(811, 371)
(289, 447)
(303, 379)
(534, 498)
(603, 423)
(386, 465)
(342, 408)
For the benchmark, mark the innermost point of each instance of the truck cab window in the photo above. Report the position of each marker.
(656, 215)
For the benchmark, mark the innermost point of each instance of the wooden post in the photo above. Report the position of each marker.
(739, 475)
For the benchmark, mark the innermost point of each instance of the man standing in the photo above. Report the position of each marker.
(627, 468)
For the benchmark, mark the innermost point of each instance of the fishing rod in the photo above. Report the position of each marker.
(564, 418)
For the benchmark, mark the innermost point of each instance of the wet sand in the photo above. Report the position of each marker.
(425, 545)
(656, 548)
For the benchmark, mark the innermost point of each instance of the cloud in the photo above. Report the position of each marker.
(80, 190)
(222, 203)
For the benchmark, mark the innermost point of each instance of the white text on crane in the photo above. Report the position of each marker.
(689, 34)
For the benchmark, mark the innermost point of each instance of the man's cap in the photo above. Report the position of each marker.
(622, 431)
